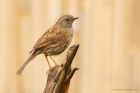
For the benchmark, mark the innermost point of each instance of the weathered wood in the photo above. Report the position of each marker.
(59, 77)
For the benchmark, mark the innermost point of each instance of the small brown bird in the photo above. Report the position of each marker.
(54, 41)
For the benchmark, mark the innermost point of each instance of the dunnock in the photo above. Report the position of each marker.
(54, 41)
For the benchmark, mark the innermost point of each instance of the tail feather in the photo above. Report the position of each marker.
(32, 56)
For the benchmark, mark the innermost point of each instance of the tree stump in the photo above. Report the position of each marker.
(58, 79)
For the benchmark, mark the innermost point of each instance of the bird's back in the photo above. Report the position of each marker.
(54, 41)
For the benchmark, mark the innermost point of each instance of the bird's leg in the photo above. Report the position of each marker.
(53, 61)
(47, 60)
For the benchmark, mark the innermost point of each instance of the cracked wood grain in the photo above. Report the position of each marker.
(58, 79)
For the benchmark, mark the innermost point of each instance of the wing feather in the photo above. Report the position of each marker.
(52, 36)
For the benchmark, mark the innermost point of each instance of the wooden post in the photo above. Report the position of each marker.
(59, 77)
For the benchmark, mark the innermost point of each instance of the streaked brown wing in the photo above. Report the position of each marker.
(50, 37)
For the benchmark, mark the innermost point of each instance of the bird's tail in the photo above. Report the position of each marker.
(32, 56)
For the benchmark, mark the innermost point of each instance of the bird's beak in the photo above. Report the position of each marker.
(76, 18)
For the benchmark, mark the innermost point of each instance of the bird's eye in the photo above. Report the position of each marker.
(67, 19)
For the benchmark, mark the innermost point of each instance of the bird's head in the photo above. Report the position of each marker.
(66, 21)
